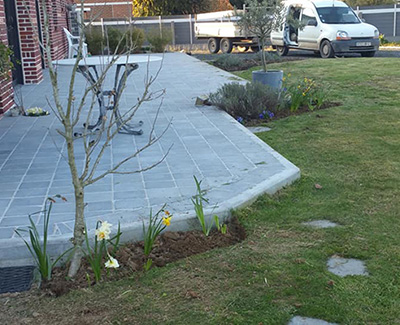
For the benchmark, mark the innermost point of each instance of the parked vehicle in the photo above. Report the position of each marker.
(223, 33)
(328, 27)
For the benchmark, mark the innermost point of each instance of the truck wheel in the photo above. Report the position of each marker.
(213, 45)
(326, 50)
(282, 50)
(226, 45)
(255, 48)
(242, 49)
(368, 54)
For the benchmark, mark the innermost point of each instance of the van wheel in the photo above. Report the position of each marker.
(242, 49)
(213, 45)
(282, 50)
(326, 50)
(226, 45)
(368, 54)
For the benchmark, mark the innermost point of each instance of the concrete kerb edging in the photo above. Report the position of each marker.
(134, 231)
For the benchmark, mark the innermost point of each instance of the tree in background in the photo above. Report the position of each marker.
(220, 5)
(237, 3)
(144, 8)
(355, 3)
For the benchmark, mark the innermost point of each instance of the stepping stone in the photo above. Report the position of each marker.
(258, 129)
(298, 320)
(321, 224)
(346, 266)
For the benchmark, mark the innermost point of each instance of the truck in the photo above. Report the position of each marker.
(222, 32)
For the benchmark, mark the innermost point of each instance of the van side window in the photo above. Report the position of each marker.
(306, 15)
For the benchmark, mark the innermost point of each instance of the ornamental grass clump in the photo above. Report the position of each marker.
(157, 223)
(95, 255)
(37, 245)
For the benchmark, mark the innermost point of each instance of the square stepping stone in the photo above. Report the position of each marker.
(321, 224)
(298, 320)
(258, 129)
(346, 266)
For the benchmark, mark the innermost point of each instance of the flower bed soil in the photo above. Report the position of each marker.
(250, 63)
(170, 247)
(286, 112)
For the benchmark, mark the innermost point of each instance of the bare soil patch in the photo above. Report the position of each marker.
(170, 247)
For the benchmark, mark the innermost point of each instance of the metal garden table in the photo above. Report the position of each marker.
(88, 68)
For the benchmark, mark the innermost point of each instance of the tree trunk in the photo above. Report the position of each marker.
(79, 232)
(79, 227)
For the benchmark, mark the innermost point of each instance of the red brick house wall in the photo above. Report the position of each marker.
(31, 55)
(6, 90)
(96, 9)
(31, 59)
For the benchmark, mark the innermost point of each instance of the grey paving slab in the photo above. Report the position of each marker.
(321, 224)
(346, 266)
(299, 320)
(234, 164)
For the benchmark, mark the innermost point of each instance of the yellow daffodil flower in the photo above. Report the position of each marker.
(166, 221)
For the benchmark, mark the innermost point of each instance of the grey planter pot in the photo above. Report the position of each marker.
(272, 78)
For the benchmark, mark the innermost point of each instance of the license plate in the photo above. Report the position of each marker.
(363, 44)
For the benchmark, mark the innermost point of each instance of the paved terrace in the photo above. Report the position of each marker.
(235, 165)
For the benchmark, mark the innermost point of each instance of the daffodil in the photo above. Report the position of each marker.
(166, 221)
(112, 263)
(104, 231)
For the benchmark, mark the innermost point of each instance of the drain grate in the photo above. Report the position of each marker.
(16, 279)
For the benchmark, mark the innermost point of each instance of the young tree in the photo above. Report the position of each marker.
(259, 19)
(72, 114)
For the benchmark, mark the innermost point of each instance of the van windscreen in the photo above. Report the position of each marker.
(337, 15)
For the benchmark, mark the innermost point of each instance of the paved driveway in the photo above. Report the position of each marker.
(235, 165)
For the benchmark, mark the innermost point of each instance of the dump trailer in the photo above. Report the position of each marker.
(223, 33)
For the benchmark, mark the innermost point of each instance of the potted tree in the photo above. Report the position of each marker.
(260, 18)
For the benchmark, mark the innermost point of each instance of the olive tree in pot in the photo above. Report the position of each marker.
(260, 18)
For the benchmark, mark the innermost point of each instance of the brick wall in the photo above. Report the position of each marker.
(6, 90)
(30, 51)
(97, 9)
(57, 12)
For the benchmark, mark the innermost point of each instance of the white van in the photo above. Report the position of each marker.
(331, 27)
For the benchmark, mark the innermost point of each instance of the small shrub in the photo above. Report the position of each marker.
(246, 102)
(95, 41)
(159, 39)
(5, 62)
(382, 39)
(230, 62)
(134, 38)
(270, 57)
(130, 41)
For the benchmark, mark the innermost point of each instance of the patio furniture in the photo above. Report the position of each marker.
(88, 68)
(73, 45)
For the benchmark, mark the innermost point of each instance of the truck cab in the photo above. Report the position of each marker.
(327, 27)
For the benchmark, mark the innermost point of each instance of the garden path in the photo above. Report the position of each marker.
(235, 165)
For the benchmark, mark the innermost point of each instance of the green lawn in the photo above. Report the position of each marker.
(353, 151)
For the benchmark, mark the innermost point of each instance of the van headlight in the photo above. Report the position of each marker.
(341, 35)
(376, 33)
